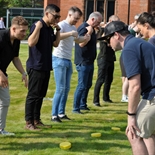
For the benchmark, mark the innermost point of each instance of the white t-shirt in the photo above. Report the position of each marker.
(64, 49)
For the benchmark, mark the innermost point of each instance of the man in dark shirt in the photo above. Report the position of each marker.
(85, 54)
(39, 63)
(105, 62)
(138, 59)
(9, 51)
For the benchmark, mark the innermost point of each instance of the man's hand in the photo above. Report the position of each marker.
(39, 24)
(3, 80)
(74, 34)
(132, 128)
(24, 78)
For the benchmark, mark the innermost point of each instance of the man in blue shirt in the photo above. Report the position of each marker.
(85, 54)
(139, 62)
(40, 41)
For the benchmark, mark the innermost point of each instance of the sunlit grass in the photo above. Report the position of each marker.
(77, 131)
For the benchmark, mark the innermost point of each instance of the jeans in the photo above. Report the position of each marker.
(37, 88)
(85, 76)
(62, 74)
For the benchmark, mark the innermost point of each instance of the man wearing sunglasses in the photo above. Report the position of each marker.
(139, 62)
(62, 64)
(41, 40)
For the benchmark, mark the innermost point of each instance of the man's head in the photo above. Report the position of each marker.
(114, 33)
(74, 14)
(19, 26)
(94, 19)
(113, 18)
(51, 14)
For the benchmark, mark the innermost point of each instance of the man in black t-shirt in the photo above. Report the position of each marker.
(9, 51)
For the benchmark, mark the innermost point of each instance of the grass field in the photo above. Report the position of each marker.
(77, 131)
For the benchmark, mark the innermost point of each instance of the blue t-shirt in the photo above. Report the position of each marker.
(87, 54)
(152, 40)
(139, 58)
(40, 55)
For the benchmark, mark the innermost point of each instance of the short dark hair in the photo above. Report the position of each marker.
(19, 20)
(76, 9)
(52, 7)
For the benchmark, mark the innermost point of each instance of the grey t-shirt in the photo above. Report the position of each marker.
(64, 49)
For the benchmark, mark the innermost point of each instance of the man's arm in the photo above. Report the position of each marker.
(64, 35)
(34, 37)
(134, 93)
(56, 42)
(17, 63)
(133, 101)
(89, 32)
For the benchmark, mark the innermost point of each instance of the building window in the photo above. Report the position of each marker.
(110, 7)
(90, 7)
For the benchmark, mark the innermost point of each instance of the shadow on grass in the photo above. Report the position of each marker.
(83, 142)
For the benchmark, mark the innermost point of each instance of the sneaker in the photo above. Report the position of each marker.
(65, 117)
(39, 123)
(56, 119)
(97, 104)
(124, 100)
(3, 132)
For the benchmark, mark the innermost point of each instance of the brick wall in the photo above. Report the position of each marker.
(121, 8)
(136, 7)
(66, 4)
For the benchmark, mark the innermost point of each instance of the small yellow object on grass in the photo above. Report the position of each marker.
(116, 129)
(65, 145)
(96, 135)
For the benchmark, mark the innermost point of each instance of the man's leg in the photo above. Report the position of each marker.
(4, 105)
(87, 83)
(67, 77)
(138, 146)
(79, 90)
(99, 82)
(150, 145)
(108, 80)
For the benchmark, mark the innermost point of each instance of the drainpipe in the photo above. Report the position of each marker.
(128, 20)
(94, 5)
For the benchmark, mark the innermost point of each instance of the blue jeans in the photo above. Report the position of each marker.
(62, 74)
(85, 76)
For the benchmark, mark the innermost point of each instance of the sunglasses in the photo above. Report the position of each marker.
(55, 16)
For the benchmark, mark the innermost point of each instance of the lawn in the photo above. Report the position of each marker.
(77, 131)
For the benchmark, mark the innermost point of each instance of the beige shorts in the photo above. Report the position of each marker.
(145, 117)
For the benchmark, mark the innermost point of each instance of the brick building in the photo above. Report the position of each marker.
(125, 9)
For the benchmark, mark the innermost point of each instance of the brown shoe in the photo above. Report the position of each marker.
(30, 126)
(39, 123)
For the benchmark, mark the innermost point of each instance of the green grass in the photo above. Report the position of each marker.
(77, 131)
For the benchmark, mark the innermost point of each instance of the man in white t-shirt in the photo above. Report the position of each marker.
(61, 62)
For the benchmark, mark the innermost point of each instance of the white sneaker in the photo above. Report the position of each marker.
(124, 100)
(3, 132)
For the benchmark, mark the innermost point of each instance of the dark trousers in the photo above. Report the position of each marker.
(37, 88)
(105, 75)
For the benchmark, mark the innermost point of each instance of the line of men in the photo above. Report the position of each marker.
(138, 58)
